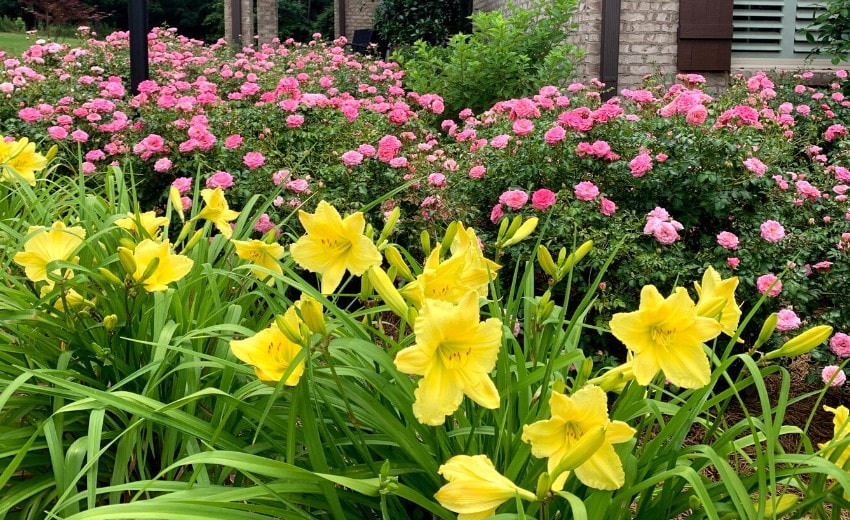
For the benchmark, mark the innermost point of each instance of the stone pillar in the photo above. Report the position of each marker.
(267, 21)
(247, 22)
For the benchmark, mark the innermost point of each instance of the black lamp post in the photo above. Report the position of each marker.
(138, 14)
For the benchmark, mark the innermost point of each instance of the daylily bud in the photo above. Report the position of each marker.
(126, 242)
(389, 225)
(110, 276)
(184, 232)
(580, 452)
(51, 153)
(576, 256)
(150, 270)
(503, 229)
(425, 240)
(803, 343)
(542, 486)
(448, 238)
(614, 380)
(544, 258)
(176, 203)
(767, 330)
(291, 333)
(125, 255)
(311, 313)
(387, 291)
(110, 322)
(193, 241)
(522, 232)
(395, 259)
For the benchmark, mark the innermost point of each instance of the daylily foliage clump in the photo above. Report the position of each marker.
(251, 315)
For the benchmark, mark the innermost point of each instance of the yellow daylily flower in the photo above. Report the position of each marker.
(455, 354)
(333, 245)
(841, 428)
(713, 286)
(148, 220)
(666, 334)
(57, 242)
(262, 255)
(271, 352)
(170, 267)
(573, 418)
(450, 280)
(74, 299)
(475, 487)
(217, 211)
(20, 157)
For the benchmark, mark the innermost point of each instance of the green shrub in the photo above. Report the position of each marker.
(503, 58)
(830, 30)
(403, 22)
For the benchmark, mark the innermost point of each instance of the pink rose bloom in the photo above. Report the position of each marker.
(661, 157)
(772, 231)
(253, 160)
(727, 240)
(280, 176)
(542, 199)
(79, 136)
(833, 376)
(89, 168)
(220, 179)
(756, 166)
(607, 207)
(586, 191)
(437, 179)
(29, 114)
(162, 165)
(788, 320)
(57, 132)
(500, 141)
(294, 120)
(398, 162)
(554, 135)
(183, 184)
(641, 164)
(351, 158)
(297, 185)
(764, 282)
(367, 150)
(233, 141)
(523, 127)
(388, 147)
(696, 115)
(659, 213)
(733, 262)
(264, 224)
(514, 199)
(665, 233)
(186, 202)
(496, 213)
(477, 172)
(840, 345)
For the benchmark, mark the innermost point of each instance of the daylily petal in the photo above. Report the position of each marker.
(687, 367)
(545, 437)
(480, 388)
(603, 470)
(437, 395)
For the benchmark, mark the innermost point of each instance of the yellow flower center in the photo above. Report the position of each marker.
(663, 337)
(454, 357)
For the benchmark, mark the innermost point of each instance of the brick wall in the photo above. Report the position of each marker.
(358, 15)
(647, 39)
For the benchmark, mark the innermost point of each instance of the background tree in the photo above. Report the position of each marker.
(53, 14)
(402, 22)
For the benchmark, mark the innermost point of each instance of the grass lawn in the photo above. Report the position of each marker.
(17, 43)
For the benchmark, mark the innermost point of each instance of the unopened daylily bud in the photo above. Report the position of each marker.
(291, 333)
(150, 270)
(522, 232)
(803, 343)
(503, 229)
(448, 237)
(125, 255)
(580, 452)
(126, 242)
(51, 153)
(576, 256)
(176, 202)
(389, 225)
(110, 276)
(312, 314)
(425, 241)
(544, 258)
(387, 291)
(767, 330)
(394, 258)
(542, 486)
(193, 241)
(614, 380)
(110, 322)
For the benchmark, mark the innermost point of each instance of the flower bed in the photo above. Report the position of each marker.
(277, 280)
